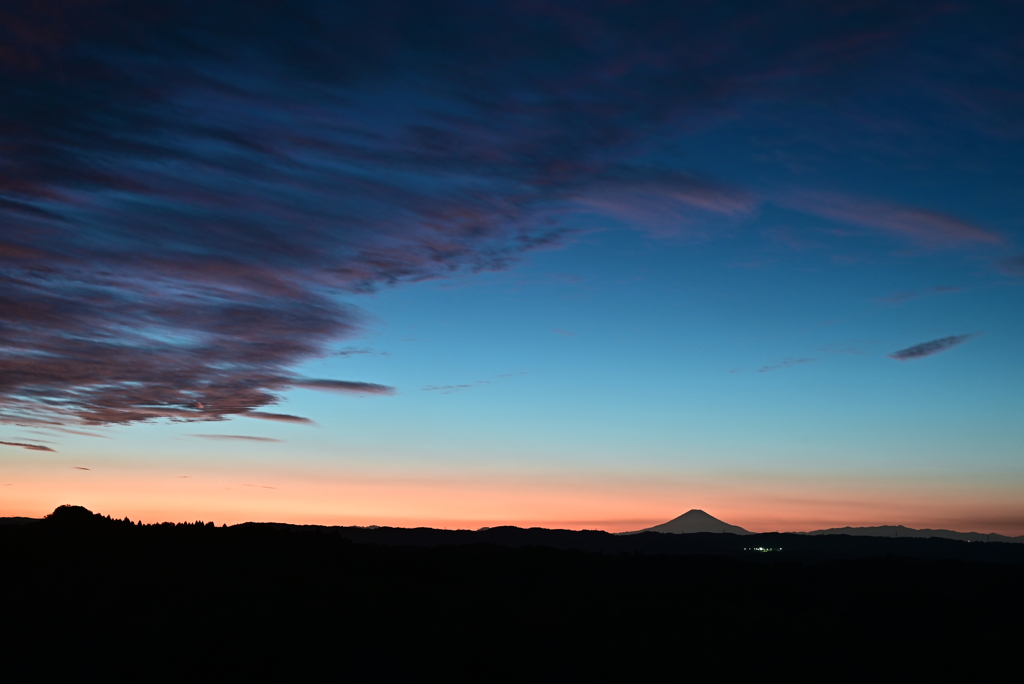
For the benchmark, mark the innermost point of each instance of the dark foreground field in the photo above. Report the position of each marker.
(199, 601)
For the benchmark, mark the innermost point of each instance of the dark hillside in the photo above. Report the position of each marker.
(254, 597)
(774, 547)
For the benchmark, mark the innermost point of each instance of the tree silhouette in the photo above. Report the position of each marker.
(73, 515)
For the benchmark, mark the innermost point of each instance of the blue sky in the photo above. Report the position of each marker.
(579, 264)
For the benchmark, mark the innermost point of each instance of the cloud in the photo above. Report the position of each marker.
(448, 389)
(240, 437)
(80, 468)
(928, 348)
(665, 204)
(188, 190)
(83, 433)
(281, 417)
(1013, 265)
(32, 447)
(928, 228)
(352, 351)
(785, 363)
(344, 386)
(898, 297)
(853, 347)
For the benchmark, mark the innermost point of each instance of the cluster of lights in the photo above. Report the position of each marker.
(762, 549)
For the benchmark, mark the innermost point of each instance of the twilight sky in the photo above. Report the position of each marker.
(571, 263)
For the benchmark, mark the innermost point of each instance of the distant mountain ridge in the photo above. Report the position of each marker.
(693, 521)
(901, 531)
(697, 521)
(17, 520)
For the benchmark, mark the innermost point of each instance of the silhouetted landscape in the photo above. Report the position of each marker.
(258, 595)
(559, 263)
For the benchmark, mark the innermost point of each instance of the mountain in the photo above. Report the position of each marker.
(694, 521)
(18, 521)
(901, 531)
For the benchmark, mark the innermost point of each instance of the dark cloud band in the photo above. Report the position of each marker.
(929, 348)
(344, 386)
(278, 417)
(31, 447)
(245, 438)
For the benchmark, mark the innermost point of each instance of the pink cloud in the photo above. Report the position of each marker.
(665, 205)
(926, 227)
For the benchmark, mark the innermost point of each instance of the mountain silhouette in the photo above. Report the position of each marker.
(694, 521)
(907, 532)
(18, 520)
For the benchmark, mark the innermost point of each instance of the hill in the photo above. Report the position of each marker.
(17, 520)
(899, 531)
(263, 597)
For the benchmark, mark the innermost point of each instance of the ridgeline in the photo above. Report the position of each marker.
(257, 596)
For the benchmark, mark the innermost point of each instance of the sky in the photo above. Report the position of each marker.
(575, 264)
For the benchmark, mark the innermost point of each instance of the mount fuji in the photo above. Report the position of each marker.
(694, 521)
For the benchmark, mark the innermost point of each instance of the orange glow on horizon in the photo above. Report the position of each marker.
(463, 503)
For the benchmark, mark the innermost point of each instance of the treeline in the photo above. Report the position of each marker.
(73, 516)
(197, 601)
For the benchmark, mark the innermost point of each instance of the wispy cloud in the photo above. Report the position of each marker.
(665, 204)
(80, 468)
(898, 297)
(279, 417)
(926, 227)
(785, 363)
(1013, 265)
(446, 389)
(343, 386)
(82, 433)
(237, 437)
(929, 348)
(352, 351)
(449, 389)
(186, 190)
(852, 347)
(564, 332)
(31, 447)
